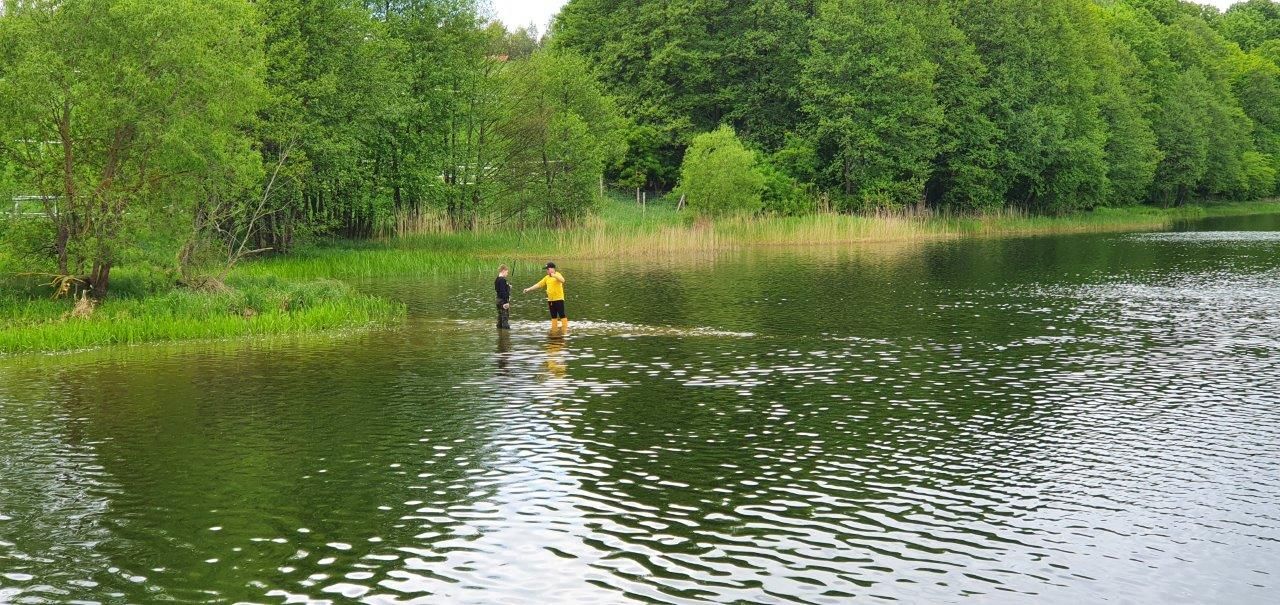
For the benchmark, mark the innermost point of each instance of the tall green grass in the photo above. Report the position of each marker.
(279, 295)
(623, 229)
(253, 307)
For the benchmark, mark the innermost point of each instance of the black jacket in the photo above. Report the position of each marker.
(503, 289)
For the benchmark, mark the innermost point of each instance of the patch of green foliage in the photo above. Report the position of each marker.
(625, 229)
(720, 176)
(250, 306)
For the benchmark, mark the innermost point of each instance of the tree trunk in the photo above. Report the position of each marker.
(64, 235)
(100, 279)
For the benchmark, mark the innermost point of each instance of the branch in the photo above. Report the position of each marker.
(258, 214)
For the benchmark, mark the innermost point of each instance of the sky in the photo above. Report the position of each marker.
(517, 13)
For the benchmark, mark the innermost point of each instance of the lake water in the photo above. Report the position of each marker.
(1075, 419)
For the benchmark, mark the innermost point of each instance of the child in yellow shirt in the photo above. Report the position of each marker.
(554, 283)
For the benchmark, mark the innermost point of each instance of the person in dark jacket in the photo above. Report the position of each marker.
(503, 290)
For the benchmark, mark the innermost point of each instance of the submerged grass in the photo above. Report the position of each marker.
(251, 307)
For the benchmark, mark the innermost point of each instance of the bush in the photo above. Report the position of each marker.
(721, 176)
(783, 195)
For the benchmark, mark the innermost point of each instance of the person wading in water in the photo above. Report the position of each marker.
(554, 283)
(503, 290)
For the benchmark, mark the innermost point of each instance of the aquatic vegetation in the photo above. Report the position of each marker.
(279, 295)
(249, 307)
(625, 230)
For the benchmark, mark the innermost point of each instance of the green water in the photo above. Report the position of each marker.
(1070, 420)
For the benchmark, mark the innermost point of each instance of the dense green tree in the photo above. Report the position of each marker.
(1184, 138)
(319, 58)
(720, 176)
(116, 107)
(870, 88)
(1257, 86)
(520, 43)
(1197, 48)
(964, 165)
(765, 44)
(1251, 23)
(1048, 105)
(1132, 152)
(680, 67)
(437, 141)
(1053, 136)
(564, 130)
(1172, 100)
(1260, 173)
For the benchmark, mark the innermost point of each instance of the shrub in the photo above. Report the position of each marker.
(721, 176)
(783, 195)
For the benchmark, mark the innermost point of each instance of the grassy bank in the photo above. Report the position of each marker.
(625, 230)
(297, 294)
(249, 307)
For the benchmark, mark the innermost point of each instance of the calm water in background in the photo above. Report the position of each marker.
(1083, 419)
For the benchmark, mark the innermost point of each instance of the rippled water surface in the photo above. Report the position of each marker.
(1073, 420)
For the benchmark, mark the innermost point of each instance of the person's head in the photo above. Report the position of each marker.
(503, 270)
(551, 268)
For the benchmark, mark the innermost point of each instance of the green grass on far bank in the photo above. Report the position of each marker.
(281, 295)
(623, 229)
(251, 307)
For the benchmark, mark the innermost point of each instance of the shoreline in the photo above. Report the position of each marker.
(302, 293)
(247, 309)
(623, 231)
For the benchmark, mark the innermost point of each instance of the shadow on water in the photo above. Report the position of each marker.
(1053, 420)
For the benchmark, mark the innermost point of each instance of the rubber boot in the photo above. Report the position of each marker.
(564, 323)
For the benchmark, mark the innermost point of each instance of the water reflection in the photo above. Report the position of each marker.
(1052, 420)
(503, 355)
(555, 364)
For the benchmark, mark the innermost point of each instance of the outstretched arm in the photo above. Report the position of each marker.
(536, 286)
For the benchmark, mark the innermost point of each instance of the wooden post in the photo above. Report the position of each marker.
(680, 205)
(637, 196)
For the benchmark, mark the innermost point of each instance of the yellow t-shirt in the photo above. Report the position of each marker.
(555, 288)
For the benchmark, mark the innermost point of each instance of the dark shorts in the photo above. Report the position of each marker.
(557, 309)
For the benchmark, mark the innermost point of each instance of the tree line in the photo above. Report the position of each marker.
(1041, 105)
(189, 134)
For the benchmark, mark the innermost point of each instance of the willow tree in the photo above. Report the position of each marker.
(720, 176)
(117, 107)
(567, 131)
